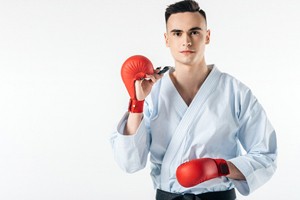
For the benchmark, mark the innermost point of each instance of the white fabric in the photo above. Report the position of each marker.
(223, 118)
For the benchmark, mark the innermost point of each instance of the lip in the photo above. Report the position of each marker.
(187, 51)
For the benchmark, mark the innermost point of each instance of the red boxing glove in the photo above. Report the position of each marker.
(197, 171)
(135, 68)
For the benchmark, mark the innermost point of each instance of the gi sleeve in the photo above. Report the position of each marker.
(131, 151)
(258, 138)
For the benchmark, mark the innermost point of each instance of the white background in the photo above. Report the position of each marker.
(61, 93)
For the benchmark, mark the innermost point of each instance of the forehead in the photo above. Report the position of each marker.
(185, 21)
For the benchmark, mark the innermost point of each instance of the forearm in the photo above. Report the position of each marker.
(133, 122)
(234, 172)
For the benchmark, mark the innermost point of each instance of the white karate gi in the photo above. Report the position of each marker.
(223, 118)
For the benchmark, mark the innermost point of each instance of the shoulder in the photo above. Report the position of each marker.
(235, 89)
(229, 82)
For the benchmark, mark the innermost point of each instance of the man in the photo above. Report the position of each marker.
(195, 121)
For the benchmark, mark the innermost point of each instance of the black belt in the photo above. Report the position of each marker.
(222, 195)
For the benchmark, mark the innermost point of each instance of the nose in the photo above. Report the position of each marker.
(186, 40)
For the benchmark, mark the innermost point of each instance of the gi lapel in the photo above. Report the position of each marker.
(182, 129)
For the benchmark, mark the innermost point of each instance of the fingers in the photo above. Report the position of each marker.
(143, 86)
(157, 70)
(154, 77)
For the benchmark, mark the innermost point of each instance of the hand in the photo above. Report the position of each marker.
(138, 76)
(197, 171)
(143, 87)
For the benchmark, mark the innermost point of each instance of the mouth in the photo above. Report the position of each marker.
(187, 51)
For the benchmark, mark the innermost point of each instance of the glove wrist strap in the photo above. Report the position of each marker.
(222, 167)
(136, 106)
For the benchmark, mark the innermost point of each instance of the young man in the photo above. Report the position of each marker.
(198, 116)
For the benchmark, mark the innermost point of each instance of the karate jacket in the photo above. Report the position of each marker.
(224, 120)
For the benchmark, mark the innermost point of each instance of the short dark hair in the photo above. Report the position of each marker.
(184, 6)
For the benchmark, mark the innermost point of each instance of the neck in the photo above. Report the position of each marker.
(188, 79)
(191, 77)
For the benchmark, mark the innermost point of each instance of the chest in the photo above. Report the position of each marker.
(213, 127)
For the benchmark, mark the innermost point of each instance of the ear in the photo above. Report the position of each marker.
(166, 40)
(207, 39)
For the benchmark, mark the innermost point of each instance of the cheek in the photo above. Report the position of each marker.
(173, 43)
(200, 42)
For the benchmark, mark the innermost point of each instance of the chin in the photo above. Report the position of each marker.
(186, 61)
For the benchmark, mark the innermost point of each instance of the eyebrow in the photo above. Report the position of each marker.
(179, 31)
(176, 31)
(195, 29)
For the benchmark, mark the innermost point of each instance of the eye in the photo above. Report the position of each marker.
(195, 33)
(178, 34)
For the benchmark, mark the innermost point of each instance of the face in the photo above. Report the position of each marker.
(186, 37)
